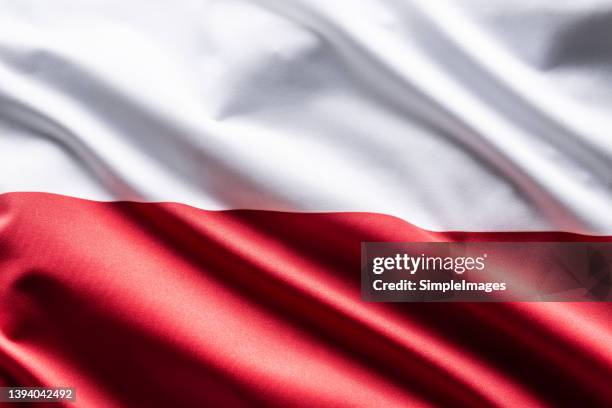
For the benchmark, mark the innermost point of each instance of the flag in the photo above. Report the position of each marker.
(185, 187)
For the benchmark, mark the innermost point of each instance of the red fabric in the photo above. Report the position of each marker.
(165, 305)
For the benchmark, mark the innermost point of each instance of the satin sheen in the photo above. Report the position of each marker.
(158, 305)
(445, 114)
(184, 186)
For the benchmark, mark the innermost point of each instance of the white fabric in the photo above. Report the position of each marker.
(470, 115)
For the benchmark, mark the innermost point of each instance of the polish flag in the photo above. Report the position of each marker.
(185, 185)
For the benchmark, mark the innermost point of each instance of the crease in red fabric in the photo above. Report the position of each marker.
(162, 304)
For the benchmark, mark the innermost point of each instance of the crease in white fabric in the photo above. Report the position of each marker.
(298, 106)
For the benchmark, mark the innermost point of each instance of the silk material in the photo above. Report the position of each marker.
(166, 305)
(444, 114)
(286, 132)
